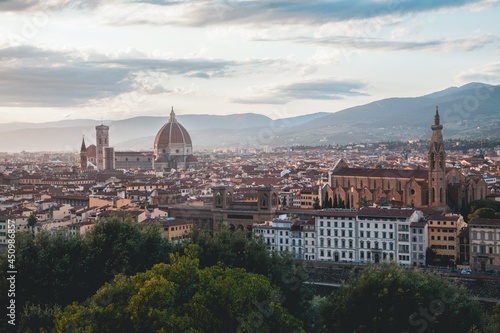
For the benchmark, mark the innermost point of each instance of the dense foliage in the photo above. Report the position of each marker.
(181, 297)
(237, 250)
(387, 298)
(482, 208)
(59, 269)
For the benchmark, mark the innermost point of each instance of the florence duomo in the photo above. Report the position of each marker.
(173, 149)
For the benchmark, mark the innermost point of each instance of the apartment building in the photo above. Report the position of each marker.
(336, 235)
(485, 244)
(443, 235)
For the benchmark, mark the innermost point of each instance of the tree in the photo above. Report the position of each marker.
(430, 256)
(316, 203)
(236, 250)
(477, 204)
(325, 200)
(61, 268)
(284, 203)
(484, 212)
(363, 202)
(494, 325)
(388, 298)
(181, 297)
(32, 222)
(335, 203)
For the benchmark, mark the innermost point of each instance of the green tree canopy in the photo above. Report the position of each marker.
(62, 268)
(32, 221)
(390, 299)
(238, 250)
(181, 297)
(484, 212)
(475, 205)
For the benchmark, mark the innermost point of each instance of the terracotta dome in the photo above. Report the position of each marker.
(172, 133)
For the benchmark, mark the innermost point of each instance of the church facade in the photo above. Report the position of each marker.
(173, 149)
(437, 187)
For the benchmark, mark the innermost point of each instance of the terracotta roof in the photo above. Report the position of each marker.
(337, 213)
(172, 132)
(385, 173)
(373, 211)
(482, 221)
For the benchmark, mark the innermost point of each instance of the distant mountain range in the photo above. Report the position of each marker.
(470, 111)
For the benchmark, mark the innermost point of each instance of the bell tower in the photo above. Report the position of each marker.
(437, 165)
(102, 142)
(83, 155)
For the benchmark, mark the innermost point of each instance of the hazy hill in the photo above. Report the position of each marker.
(469, 111)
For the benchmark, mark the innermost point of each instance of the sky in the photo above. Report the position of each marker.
(97, 59)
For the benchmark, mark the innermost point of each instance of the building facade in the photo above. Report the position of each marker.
(443, 236)
(484, 244)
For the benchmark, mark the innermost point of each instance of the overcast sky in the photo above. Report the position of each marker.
(64, 59)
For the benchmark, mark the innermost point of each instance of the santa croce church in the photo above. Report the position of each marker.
(446, 189)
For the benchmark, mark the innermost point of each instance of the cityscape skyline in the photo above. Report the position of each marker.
(115, 60)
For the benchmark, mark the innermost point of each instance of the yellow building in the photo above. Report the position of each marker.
(173, 229)
(115, 202)
(443, 231)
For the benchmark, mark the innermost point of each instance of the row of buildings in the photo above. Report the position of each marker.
(378, 234)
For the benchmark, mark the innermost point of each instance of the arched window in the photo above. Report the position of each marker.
(440, 195)
(432, 161)
(433, 195)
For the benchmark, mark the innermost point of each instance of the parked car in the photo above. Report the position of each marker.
(466, 271)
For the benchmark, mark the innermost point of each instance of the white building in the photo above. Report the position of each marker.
(285, 235)
(336, 235)
(419, 242)
(485, 244)
(370, 235)
(309, 229)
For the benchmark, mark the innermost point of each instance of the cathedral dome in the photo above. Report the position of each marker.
(172, 133)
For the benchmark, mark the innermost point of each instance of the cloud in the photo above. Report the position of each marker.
(31, 76)
(317, 90)
(489, 73)
(377, 44)
(45, 5)
(60, 86)
(317, 12)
